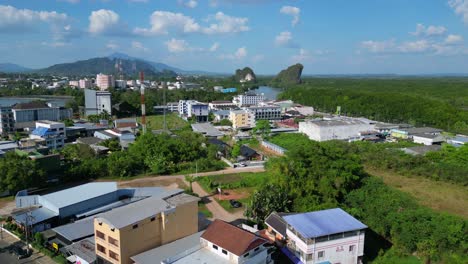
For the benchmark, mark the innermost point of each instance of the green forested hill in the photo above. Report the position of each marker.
(439, 102)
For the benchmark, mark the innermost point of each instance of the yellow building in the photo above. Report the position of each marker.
(242, 119)
(143, 225)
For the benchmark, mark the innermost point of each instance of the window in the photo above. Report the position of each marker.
(113, 255)
(101, 249)
(135, 226)
(246, 255)
(351, 248)
(100, 235)
(257, 249)
(215, 247)
(224, 252)
(321, 254)
(153, 218)
(309, 257)
(114, 241)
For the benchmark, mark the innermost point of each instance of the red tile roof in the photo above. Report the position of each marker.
(231, 238)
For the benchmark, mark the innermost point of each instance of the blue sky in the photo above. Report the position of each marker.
(327, 36)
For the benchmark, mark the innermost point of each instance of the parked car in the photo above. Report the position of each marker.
(235, 204)
(19, 252)
(243, 164)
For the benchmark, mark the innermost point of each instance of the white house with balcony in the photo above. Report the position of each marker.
(328, 236)
(53, 133)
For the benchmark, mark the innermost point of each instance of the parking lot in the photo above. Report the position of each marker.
(8, 242)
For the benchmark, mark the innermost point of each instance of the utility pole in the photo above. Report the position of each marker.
(143, 107)
(164, 86)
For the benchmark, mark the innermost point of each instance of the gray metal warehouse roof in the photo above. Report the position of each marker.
(157, 255)
(37, 215)
(80, 193)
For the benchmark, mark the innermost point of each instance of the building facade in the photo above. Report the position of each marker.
(7, 120)
(241, 119)
(328, 236)
(127, 231)
(96, 102)
(53, 133)
(25, 114)
(104, 81)
(266, 112)
(334, 129)
(85, 84)
(248, 99)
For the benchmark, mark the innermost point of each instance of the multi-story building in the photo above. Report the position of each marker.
(85, 84)
(7, 121)
(221, 105)
(104, 81)
(242, 119)
(74, 83)
(334, 128)
(122, 84)
(53, 133)
(143, 225)
(25, 114)
(195, 109)
(248, 99)
(328, 236)
(96, 102)
(266, 112)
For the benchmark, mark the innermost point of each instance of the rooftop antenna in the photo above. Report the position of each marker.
(143, 108)
(165, 104)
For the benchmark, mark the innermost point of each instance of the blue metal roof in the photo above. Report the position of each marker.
(322, 223)
(37, 216)
(80, 193)
(41, 131)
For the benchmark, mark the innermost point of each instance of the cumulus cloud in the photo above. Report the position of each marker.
(239, 54)
(189, 4)
(461, 8)
(103, 21)
(226, 24)
(12, 18)
(214, 47)
(177, 45)
(291, 11)
(422, 30)
(285, 39)
(417, 46)
(378, 46)
(453, 39)
(162, 22)
(139, 46)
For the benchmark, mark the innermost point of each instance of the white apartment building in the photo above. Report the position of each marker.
(96, 102)
(266, 112)
(104, 81)
(85, 84)
(334, 128)
(328, 236)
(7, 121)
(74, 83)
(221, 105)
(26, 113)
(53, 133)
(248, 99)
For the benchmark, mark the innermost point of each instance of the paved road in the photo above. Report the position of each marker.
(7, 241)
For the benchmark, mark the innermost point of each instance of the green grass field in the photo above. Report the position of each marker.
(233, 181)
(156, 122)
(204, 210)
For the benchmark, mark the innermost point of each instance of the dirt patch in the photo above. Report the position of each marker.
(155, 182)
(232, 195)
(7, 205)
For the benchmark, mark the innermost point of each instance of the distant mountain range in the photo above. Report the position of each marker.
(116, 63)
(12, 68)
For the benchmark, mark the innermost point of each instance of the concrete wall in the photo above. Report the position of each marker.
(340, 132)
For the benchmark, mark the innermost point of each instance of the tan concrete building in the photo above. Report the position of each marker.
(242, 119)
(143, 225)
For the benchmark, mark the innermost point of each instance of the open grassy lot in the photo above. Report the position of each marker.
(233, 181)
(156, 122)
(204, 210)
(438, 195)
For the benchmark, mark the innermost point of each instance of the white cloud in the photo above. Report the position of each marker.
(55, 44)
(258, 58)
(303, 56)
(70, 1)
(378, 46)
(214, 47)
(422, 30)
(162, 21)
(103, 21)
(240, 54)
(415, 46)
(285, 39)
(453, 39)
(139, 46)
(461, 8)
(12, 18)
(177, 45)
(191, 4)
(226, 24)
(291, 11)
(112, 46)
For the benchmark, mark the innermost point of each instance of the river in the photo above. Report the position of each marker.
(269, 92)
(55, 100)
